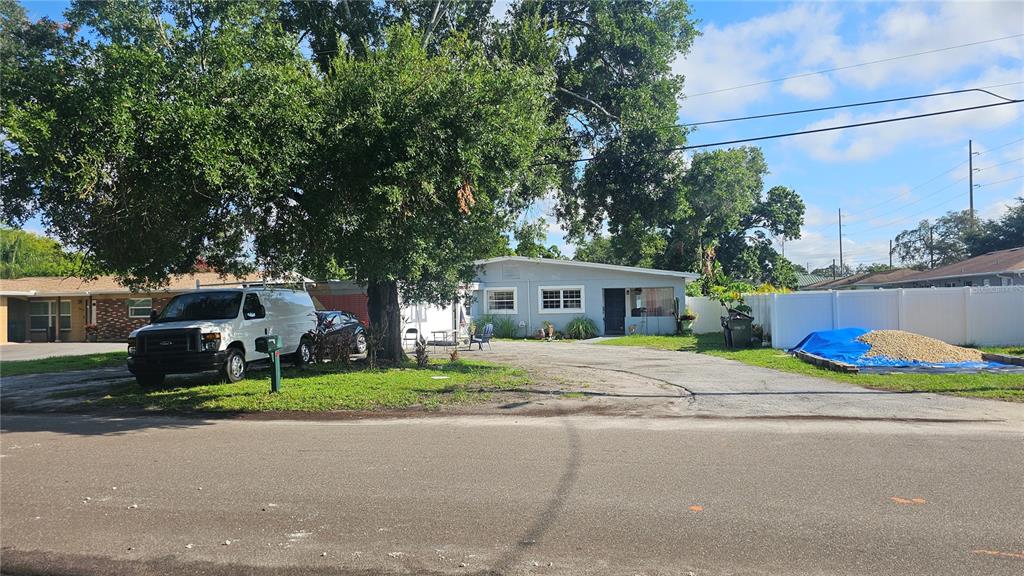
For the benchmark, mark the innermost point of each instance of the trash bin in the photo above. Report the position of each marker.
(737, 328)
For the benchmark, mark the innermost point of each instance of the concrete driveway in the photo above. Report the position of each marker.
(37, 350)
(639, 381)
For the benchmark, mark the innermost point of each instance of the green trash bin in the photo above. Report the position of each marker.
(738, 328)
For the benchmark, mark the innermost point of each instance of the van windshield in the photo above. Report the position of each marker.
(201, 306)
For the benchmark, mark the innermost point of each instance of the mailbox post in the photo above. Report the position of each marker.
(271, 345)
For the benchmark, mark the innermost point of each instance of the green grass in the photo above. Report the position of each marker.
(983, 385)
(318, 389)
(63, 363)
(1011, 350)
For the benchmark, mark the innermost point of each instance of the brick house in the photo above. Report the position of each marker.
(56, 309)
(32, 309)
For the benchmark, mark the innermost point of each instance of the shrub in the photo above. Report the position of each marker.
(504, 326)
(422, 359)
(581, 328)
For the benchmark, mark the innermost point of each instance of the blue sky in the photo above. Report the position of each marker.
(885, 178)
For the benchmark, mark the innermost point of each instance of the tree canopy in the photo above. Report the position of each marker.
(24, 253)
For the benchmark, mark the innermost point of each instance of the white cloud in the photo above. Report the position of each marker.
(804, 37)
(749, 52)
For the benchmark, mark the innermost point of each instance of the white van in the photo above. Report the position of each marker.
(217, 330)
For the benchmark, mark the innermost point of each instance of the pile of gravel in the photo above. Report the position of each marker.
(901, 345)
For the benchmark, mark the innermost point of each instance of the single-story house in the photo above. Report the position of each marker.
(58, 309)
(999, 268)
(32, 309)
(619, 299)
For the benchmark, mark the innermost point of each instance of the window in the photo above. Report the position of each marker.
(1004, 281)
(41, 311)
(139, 307)
(65, 315)
(39, 315)
(212, 305)
(556, 299)
(652, 302)
(501, 300)
(252, 308)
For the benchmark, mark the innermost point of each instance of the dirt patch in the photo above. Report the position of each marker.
(901, 345)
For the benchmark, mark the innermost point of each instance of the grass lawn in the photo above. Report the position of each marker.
(982, 385)
(63, 363)
(320, 389)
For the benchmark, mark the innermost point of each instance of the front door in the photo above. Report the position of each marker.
(614, 311)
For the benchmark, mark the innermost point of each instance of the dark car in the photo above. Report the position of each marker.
(332, 324)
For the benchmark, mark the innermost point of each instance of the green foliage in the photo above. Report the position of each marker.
(1006, 232)
(23, 253)
(933, 244)
(176, 133)
(418, 172)
(504, 326)
(581, 328)
(530, 237)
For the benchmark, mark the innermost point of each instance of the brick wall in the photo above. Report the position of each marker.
(112, 321)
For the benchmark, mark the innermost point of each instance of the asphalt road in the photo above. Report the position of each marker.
(510, 495)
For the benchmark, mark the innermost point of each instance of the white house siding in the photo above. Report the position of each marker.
(528, 277)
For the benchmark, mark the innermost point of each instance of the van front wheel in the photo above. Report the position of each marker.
(234, 366)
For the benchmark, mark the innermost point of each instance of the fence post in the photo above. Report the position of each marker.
(835, 309)
(901, 312)
(967, 319)
(774, 318)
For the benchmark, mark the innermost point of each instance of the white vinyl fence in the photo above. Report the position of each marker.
(977, 316)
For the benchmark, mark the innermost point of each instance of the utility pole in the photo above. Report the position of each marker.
(840, 238)
(970, 177)
(833, 268)
(890, 253)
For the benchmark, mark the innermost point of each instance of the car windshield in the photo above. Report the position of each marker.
(201, 306)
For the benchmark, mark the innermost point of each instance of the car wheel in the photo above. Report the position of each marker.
(234, 366)
(360, 346)
(149, 380)
(304, 353)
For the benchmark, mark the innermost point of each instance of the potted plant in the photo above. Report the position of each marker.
(91, 332)
(549, 328)
(686, 320)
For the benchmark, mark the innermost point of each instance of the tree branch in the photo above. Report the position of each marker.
(433, 22)
(588, 101)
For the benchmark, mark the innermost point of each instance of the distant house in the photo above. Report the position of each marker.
(863, 281)
(803, 280)
(1000, 268)
(619, 299)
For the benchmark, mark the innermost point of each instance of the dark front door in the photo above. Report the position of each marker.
(614, 311)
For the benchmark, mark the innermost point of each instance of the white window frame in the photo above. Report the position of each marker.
(540, 300)
(129, 306)
(515, 300)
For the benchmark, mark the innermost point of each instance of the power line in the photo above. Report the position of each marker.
(1000, 164)
(890, 59)
(797, 133)
(1018, 177)
(858, 104)
(934, 178)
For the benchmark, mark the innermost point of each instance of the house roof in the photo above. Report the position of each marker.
(863, 279)
(592, 265)
(998, 262)
(803, 279)
(75, 286)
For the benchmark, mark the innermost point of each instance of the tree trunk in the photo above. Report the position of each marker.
(385, 320)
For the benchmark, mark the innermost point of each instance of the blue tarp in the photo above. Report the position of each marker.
(843, 346)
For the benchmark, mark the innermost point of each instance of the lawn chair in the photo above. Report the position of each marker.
(483, 338)
(411, 335)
